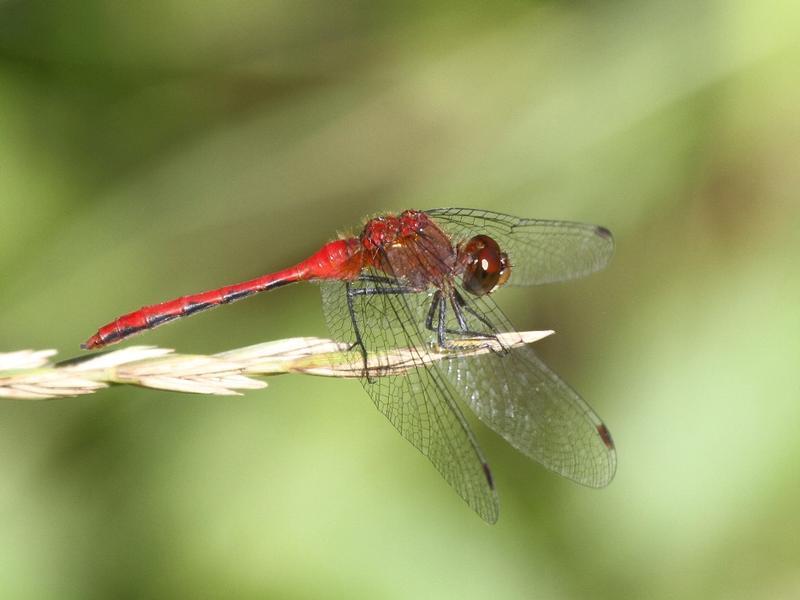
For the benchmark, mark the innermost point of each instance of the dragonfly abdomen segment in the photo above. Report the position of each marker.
(150, 317)
(336, 260)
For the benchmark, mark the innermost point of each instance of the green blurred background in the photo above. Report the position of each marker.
(153, 149)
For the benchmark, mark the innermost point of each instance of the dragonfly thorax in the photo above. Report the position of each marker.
(410, 247)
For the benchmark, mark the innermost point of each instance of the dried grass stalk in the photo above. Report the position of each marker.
(29, 374)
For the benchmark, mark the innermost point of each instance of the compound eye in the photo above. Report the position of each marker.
(486, 267)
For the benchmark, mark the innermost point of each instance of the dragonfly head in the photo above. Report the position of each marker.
(486, 267)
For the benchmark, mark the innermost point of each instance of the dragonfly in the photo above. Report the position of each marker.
(422, 281)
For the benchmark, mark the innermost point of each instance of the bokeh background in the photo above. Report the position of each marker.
(153, 149)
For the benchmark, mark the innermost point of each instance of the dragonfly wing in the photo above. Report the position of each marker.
(420, 402)
(540, 251)
(519, 397)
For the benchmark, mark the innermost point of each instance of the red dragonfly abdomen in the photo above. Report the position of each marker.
(341, 259)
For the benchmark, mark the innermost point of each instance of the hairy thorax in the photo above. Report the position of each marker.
(410, 247)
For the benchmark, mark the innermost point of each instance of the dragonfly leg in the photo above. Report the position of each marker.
(359, 343)
(381, 291)
(441, 328)
(432, 310)
(460, 304)
(352, 293)
(440, 302)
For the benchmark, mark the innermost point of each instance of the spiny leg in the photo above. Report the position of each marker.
(458, 303)
(352, 293)
(434, 303)
(461, 303)
(356, 330)
(441, 328)
(439, 301)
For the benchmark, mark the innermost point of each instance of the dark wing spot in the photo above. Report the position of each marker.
(603, 233)
(487, 471)
(605, 435)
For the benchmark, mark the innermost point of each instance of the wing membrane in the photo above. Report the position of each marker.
(420, 403)
(540, 251)
(520, 398)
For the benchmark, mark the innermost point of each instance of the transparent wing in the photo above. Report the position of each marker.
(421, 402)
(539, 251)
(520, 398)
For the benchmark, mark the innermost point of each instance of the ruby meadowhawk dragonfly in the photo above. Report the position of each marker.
(422, 280)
